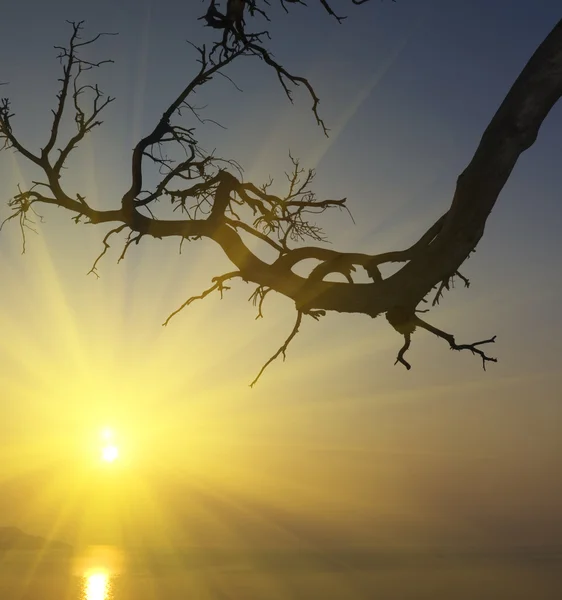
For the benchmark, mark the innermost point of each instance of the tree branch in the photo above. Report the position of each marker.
(218, 285)
(282, 350)
(283, 222)
(454, 346)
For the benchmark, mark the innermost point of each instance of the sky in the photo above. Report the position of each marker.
(335, 446)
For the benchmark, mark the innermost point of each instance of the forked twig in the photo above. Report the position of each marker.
(282, 350)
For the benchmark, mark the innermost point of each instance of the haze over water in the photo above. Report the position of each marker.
(273, 575)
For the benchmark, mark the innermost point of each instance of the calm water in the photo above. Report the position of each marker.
(279, 576)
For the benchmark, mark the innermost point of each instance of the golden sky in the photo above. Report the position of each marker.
(336, 445)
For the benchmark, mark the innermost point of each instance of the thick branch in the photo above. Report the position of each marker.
(432, 261)
(513, 130)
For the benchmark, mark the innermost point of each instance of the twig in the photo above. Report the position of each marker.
(218, 285)
(106, 247)
(400, 358)
(282, 349)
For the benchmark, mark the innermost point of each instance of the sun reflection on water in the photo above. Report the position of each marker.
(97, 568)
(97, 586)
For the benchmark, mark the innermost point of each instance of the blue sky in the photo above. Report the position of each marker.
(407, 89)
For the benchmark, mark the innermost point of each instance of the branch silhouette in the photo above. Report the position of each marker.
(210, 199)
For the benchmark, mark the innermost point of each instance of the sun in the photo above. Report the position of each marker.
(110, 453)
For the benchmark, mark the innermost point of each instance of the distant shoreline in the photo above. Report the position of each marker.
(13, 538)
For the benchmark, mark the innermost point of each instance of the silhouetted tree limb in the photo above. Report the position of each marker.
(283, 349)
(215, 202)
(447, 284)
(403, 322)
(218, 285)
(325, 3)
(454, 346)
(235, 38)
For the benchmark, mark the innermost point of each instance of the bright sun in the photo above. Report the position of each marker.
(109, 451)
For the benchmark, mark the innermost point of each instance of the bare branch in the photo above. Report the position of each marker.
(400, 358)
(22, 205)
(224, 208)
(7, 136)
(447, 284)
(106, 247)
(405, 323)
(258, 297)
(284, 76)
(73, 66)
(454, 346)
(131, 239)
(163, 127)
(283, 349)
(217, 285)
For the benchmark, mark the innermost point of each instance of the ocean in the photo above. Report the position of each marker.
(521, 574)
